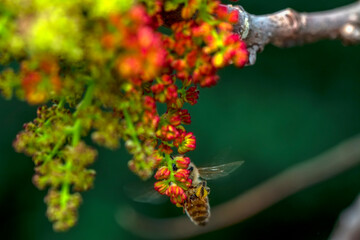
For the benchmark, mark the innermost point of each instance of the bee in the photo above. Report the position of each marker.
(197, 205)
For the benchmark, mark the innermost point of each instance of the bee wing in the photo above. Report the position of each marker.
(151, 196)
(144, 195)
(214, 172)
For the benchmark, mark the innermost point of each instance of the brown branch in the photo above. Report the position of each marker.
(288, 28)
(303, 175)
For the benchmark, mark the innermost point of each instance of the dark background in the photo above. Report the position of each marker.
(292, 105)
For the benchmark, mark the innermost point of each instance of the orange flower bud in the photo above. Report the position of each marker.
(162, 173)
(161, 186)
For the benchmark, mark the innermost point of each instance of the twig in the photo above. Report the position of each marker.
(288, 28)
(303, 175)
(348, 227)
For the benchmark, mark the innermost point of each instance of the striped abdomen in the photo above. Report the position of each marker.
(198, 210)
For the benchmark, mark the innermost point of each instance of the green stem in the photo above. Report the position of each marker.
(55, 150)
(65, 188)
(48, 121)
(87, 98)
(169, 162)
(76, 135)
(61, 103)
(131, 127)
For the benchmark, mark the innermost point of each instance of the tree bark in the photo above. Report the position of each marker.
(288, 28)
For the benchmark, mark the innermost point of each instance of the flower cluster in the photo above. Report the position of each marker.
(58, 163)
(143, 54)
(40, 79)
(174, 179)
(108, 80)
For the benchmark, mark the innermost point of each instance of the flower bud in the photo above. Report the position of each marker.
(188, 143)
(182, 175)
(161, 187)
(162, 173)
(182, 162)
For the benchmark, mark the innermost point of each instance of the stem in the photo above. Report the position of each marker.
(76, 135)
(87, 98)
(131, 127)
(61, 103)
(169, 161)
(289, 28)
(55, 150)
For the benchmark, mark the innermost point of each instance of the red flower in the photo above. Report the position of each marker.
(192, 95)
(182, 175)
(182, 161)
(167, 133)
(185, 116)
(149, 104)
(162, 173)
(161, 186)
(165, 148)
(185, 143)
(176, 194)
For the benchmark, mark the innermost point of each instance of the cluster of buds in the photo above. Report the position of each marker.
(173, 180)
(197, 48)
(40, 80)
(143, 55)
(59, 164)
(129, 68)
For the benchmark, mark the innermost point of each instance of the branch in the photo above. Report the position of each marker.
(348, 227)
(289, 28)
(334, 161)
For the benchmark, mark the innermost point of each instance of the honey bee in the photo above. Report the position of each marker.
(197, 205)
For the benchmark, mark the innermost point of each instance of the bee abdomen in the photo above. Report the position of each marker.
(199, 212)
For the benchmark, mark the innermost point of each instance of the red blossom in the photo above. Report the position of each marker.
(182, 175)
(185, 143)
(171, 94)
(162, 173)
(161, 187)
(167, 133)
(165, 148)
(175, 120)
(176, 194)
(157, 156)
(142, 52)
(221, 12)
(192, 95)
(39, 82)
(182, 161)
(149, 104)
(233, 17)
(184, 116)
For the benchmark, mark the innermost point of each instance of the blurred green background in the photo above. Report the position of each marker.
(293, 104)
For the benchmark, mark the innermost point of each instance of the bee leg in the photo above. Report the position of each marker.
(193, 197)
